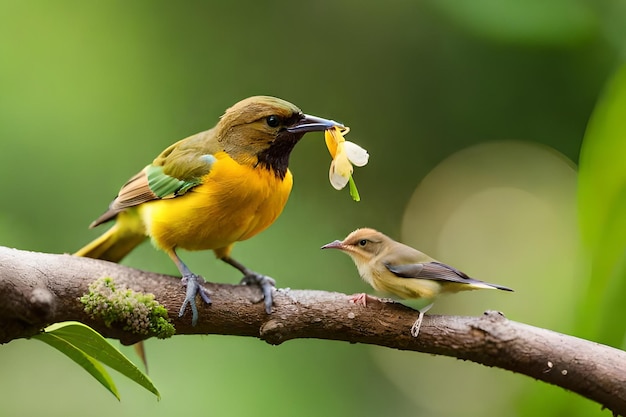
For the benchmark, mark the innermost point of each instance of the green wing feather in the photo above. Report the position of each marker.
(158, 181)
(166, 186)
(164, 183)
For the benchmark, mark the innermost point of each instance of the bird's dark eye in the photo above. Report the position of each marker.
(272, 121)
(362, 242)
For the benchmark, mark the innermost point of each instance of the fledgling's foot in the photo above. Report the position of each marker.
(194, 286)
(361, 299)
(267, 285)
(415, 328)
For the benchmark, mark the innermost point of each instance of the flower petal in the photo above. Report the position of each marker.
(334, 136)
(337, 180)
(331, 142)
(342, 163)
(357, 155)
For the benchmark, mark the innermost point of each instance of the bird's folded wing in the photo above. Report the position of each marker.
(429, 270)
(153, 183)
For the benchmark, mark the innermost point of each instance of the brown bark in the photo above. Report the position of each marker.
(37, 289)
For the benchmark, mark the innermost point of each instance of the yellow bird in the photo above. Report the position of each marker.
(211, 190)
(392, 267)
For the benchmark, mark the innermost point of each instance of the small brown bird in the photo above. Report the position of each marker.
(392, 267)
(211, 190)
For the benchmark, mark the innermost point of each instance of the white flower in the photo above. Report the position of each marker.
(344, 154)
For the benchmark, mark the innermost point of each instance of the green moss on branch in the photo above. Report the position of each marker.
(137, 312)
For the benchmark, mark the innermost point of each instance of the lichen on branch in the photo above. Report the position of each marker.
(137, 312)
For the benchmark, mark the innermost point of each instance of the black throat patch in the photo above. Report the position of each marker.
(276, 156)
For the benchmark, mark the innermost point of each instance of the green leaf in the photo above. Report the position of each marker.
(602, 204)
(81, 358)
(77, 337)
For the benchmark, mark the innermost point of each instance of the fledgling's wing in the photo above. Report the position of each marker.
(439, 272)
(429, 270)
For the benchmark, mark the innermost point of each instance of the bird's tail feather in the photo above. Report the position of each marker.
(501, 287)
(485, 285)
(113, 245)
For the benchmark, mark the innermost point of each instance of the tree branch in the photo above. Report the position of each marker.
(37, 289)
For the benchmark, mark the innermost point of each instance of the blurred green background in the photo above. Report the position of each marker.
(473, 113)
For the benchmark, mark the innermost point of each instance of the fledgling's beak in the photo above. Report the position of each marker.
(313, 124)
(337, 244)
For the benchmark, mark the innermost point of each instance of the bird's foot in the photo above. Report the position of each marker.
(267, 285)
(361, 299)
(415, 329)
(194, 286)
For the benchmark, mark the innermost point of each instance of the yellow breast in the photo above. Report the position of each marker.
(234, 203)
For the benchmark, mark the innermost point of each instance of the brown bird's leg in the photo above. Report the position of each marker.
(415, 329)
(250, 277)
(194, 286)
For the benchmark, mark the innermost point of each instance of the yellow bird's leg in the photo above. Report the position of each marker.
(194, 286)
(250, 277)
(415, 329)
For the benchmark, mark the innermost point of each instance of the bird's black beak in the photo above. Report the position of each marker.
(337, 244)
(312, 124)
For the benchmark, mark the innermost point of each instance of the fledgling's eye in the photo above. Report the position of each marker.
(362, 242)
(272, 121)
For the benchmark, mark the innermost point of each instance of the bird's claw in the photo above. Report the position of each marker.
(415, 328)
(361, 299)
(194, 286)
(267, 285)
